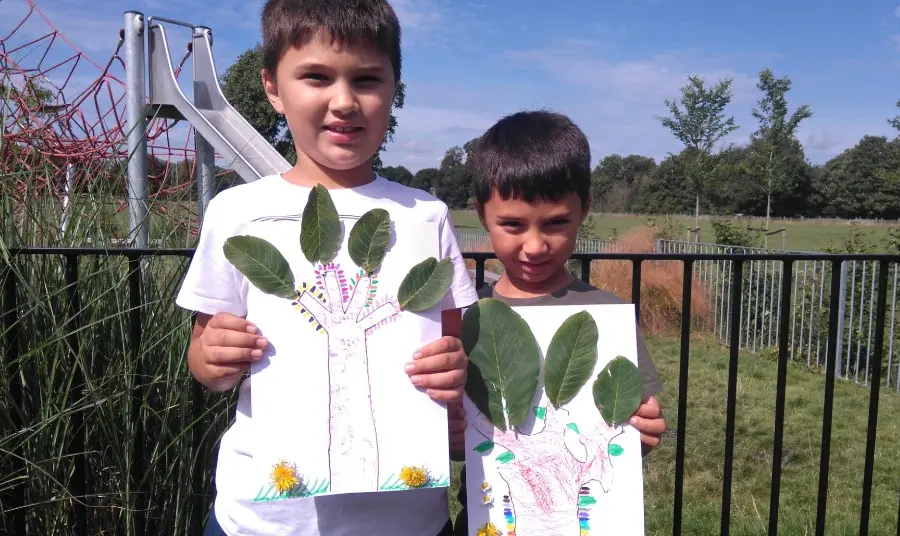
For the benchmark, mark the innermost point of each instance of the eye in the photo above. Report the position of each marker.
(314, 77)
(512, 225)
(558, 222)
(367, 80)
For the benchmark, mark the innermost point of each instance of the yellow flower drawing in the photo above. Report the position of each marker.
(488, 529)
(485, 486)
(284, 477)
(487, 500)
(414, 477)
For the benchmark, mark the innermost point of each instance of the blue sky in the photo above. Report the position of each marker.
(609, 64)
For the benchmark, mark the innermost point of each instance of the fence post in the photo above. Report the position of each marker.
(138, 196)
(842, 306)
(206, 158)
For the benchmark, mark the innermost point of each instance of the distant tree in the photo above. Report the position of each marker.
(397, 174)
(863, 181)
(426, 179)
(242, 86)
(776, 135)
(665, 190)
(453, 157)
(700, 126)
(895, 121)
(455, 184)
(613, 181)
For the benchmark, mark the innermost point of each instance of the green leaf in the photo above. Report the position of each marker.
(571, 358)
(320, 229)
(425, 284)
(369, 239)
(262, 264)
(504, 362)
(618, 390)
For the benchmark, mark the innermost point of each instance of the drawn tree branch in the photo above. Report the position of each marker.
(549, 468)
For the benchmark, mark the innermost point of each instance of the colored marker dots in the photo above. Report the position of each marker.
(585, 500)
(508, 516)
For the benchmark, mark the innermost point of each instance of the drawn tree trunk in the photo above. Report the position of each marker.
(550, 472)
(352, 443)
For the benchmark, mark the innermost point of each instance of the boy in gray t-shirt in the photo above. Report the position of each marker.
(532, 192)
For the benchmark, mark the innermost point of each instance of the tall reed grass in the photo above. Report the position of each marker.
(102, 428)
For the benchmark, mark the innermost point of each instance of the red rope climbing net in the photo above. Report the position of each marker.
(63, 112)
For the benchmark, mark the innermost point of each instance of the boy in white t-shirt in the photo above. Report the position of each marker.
(331, 67)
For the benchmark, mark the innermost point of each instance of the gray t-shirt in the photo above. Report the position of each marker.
(581, 293)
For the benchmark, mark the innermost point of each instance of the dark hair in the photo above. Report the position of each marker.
(287, 23)
(532, 155)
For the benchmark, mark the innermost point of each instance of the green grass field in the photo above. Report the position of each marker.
(754, 432)
(802, 236)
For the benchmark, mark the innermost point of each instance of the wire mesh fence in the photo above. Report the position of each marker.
(808, 313)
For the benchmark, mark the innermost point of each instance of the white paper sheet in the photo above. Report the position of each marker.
(330, 397)
(566, 473)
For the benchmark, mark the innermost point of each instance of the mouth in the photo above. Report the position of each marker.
(531, 266)
(343, 129)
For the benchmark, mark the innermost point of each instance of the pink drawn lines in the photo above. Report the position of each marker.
(323, 269)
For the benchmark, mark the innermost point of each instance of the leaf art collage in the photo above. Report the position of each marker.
(333, 411)
(540, 458)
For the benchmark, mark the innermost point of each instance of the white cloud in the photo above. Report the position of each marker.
(650, 80)
(897, 12)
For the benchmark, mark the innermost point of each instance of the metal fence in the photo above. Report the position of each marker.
(808, 309)
(95, 511)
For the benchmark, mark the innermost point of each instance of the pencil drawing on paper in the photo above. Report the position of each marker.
(551, 472)
(345, 315)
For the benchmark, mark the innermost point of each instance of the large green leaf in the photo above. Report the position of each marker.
(262, 264)
(369, 239)
(425, 284)
(504, 362)
(571, 358)
(618, 390)
(320, 229)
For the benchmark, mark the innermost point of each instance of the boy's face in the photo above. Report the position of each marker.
(336, 99)
(533, 240)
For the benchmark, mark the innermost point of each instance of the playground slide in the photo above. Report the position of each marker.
(236, 141)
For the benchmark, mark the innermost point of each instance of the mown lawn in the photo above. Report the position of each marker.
(802, 236)
(754, 432)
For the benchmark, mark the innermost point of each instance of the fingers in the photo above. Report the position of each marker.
(440, 369)
(439, 346)
(230, 339)
(230, 321)
(444, 362)
(234, 339)
(650, 440)
(445, 395)
(649, 408)
(453, 379)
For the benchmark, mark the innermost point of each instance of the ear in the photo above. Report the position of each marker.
(271, 89)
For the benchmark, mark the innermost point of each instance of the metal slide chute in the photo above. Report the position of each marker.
(236, 141)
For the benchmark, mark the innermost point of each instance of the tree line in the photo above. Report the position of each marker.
(768, 176)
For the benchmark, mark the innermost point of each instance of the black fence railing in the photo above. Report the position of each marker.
(135, 508)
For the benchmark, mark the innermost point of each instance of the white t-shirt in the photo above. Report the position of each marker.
(212, 285)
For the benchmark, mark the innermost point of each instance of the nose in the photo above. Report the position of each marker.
(534, 245)
(343, 100)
